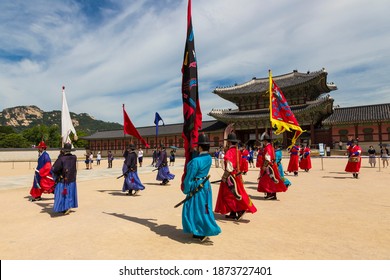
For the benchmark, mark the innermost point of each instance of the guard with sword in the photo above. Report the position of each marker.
(163, 174)
(132, 183)
(197, 214)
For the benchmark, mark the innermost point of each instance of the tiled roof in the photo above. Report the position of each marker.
(222, 114)
(147, 131)
(257, 85)
(359, 114)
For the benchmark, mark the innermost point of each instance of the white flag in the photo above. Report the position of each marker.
(66, 122)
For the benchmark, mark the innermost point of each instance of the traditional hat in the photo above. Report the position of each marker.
(131, 146)
(41, 145)
(232, 137)
(203, 139)
(67, 147)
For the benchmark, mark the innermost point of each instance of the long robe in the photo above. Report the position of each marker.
(259, 159)
(197, 214)
(266, 184)
(354, 159)
(293, 164)
(244, 161)
(132, 181)
(43, 179)
(65, 194)
(305, 162)
(226, 201)
(163, 170)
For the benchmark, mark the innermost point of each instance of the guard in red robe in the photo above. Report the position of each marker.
(259, 158)
(305, 161)
(43, 178)
(270, 181)
(233, 200)
(293, 164)
(354, 159)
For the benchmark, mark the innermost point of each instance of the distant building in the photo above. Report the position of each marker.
(306, 94)
(369, 123)
(168, 135)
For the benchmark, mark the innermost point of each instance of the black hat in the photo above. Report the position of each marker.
(203, 139)
(131, 147)
(67, 147)
(232, 137)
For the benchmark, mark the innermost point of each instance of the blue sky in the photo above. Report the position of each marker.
(110, 52)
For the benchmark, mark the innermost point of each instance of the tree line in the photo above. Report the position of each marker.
(32, 136)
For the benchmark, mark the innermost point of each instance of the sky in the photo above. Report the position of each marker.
(112, 52)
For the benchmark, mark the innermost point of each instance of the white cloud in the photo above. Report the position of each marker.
(133, 54)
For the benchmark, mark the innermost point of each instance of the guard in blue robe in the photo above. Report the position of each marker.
(197, 215)
(132, 184)
(163, 174)
(64, 170)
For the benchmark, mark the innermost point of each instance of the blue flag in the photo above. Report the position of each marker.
(157, 119)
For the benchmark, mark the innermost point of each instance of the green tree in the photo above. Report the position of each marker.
(13, 140)
(51, 135)
(54, 137)
(36, 134)
(80, 143)
(6, 129)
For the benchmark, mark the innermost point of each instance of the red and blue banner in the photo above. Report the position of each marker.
(191, 107)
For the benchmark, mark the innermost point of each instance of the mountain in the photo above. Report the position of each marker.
(23, 117)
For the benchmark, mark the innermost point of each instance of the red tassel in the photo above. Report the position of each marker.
(65, 191)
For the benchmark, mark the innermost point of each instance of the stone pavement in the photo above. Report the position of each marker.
(326, 214)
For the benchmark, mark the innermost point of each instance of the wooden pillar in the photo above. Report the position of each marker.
(380, 132)
(357, 131)
(312, 136)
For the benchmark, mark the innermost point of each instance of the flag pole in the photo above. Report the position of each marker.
(124, 135)
(270, 101)
(270, 109)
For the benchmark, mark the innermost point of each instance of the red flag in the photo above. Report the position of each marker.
(191, 107)
(129, 128)
(280, 113)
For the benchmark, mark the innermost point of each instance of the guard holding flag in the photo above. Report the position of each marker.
(232, 200)
(197, 215)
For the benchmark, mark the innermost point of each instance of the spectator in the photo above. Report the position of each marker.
(371, 156)
(385, 156)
